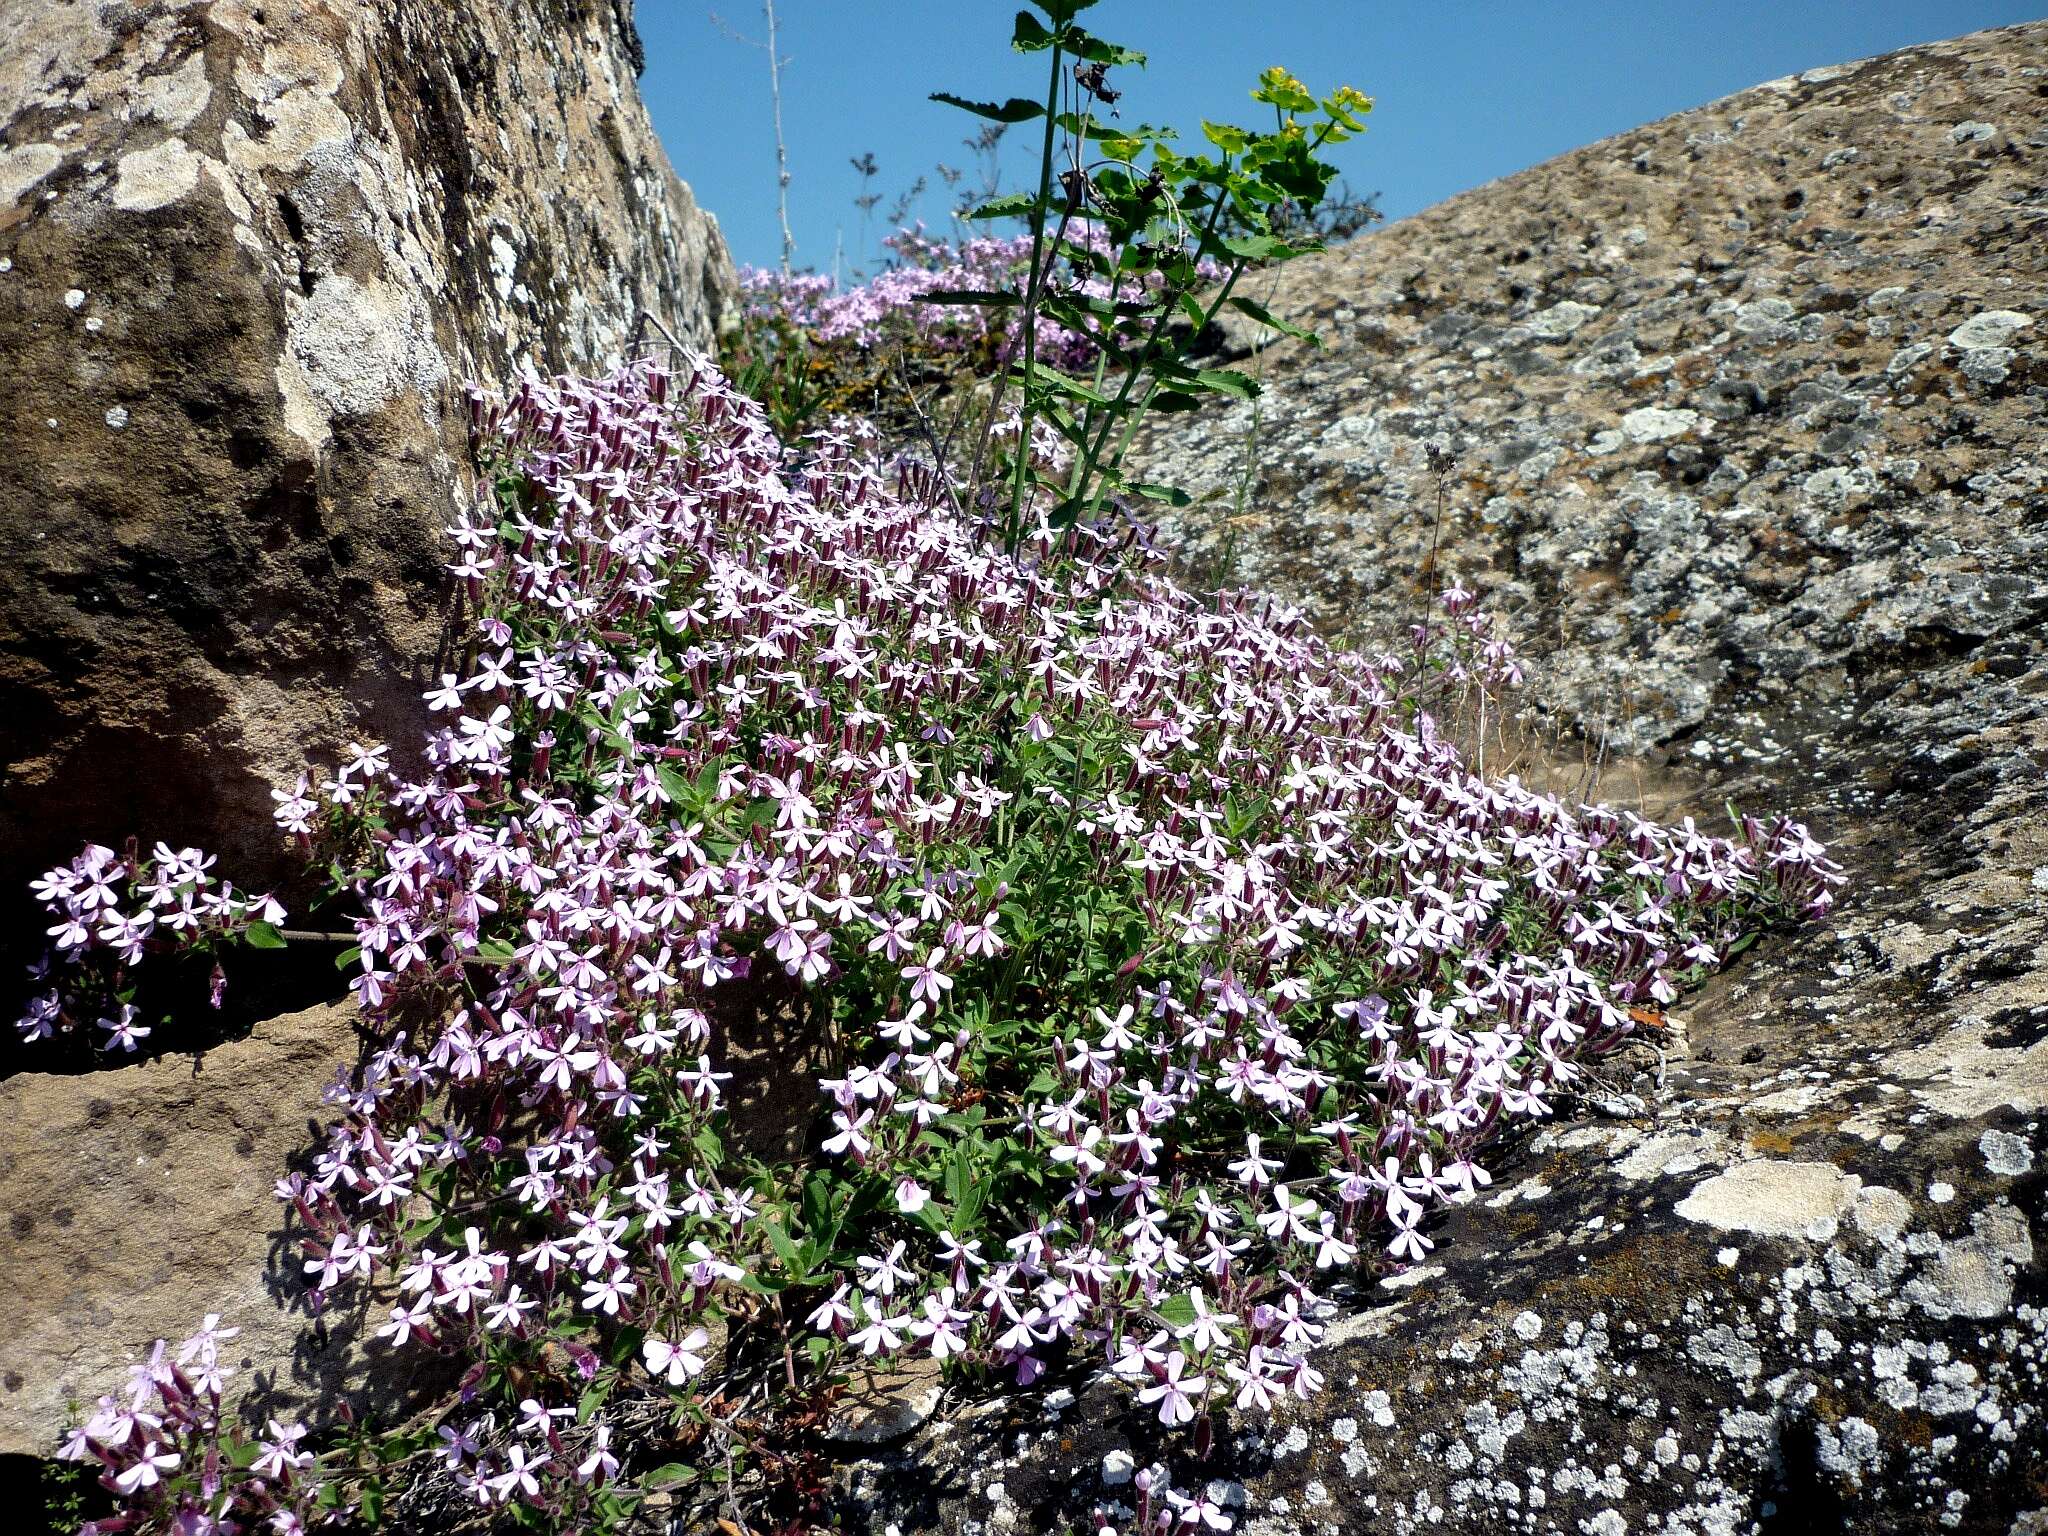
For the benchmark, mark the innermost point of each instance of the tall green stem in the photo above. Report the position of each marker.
(1115, 460)
(1031, 293)
(1092, 455)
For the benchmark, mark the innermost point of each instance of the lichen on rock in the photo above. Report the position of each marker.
(248, 255)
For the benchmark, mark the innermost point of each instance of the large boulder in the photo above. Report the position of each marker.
(1740, 405)
(249, 255)
(1747, 410)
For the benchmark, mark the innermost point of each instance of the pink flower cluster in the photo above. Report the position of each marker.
(168, 1449)
(1175, 961)
(894, 302)
(111, 909)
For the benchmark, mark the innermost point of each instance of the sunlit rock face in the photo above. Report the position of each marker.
(1740, 405)
(1746, 411)
(249, 253)
(139, 1200)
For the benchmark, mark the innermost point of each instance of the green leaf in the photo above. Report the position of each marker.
(1282, 90)
(1086, 45)
(672, 1475)
(821, 1217)
(1225, 137)
(1012, 205)
(1053, 379)
(784, 1249)
(1228, 381)
(673, 784)
(708, 1146)
(1015, 110)
(1258, 247)
(348, 957)
(496, 951)
(1172, 495)
(1030, 34)
(262, 935)
(1266, 317)
(1177, 1310)
(625, 1345)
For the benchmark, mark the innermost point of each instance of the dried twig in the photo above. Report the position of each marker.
(775, 63)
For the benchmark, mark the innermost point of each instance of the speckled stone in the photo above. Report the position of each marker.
(1743, 403)
(248, 255)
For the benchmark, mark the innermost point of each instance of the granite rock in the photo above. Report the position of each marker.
(249, 254)
(137, 1201)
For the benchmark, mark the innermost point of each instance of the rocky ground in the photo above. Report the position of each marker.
(1747, 411)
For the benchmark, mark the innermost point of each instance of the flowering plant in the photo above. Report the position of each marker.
(1168, 962)
(896, 303)
(1163, 234)
(111, 910)
(1131, 250)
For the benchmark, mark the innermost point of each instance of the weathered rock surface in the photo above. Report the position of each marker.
(1742, 404)
(1748, 409)
(137, 1201)
(249, 253)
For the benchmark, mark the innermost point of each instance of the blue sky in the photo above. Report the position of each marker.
(1466, 90)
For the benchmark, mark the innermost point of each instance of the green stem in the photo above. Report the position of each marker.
(1166, 309)
(1102, 350)
(1031, 295)
(1123, 447)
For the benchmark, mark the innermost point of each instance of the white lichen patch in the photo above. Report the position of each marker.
(1671, 1155)
(353, 349)
(2006, 1154)
(1880, 1212)
(1992, 328)
(173, 97)
(156, 177)
(1964, 1076)
(23, 168)
(1774, 1199)
(1657, 424)
(1966, 1279)
(1560, 320)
